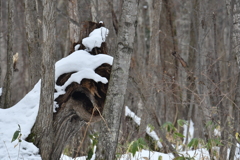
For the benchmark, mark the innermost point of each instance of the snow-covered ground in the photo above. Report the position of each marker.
(23, 113)
(200, 154)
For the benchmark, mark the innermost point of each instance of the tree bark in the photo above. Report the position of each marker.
(1, 39)
(32, 34)
(44, 122)
(74, 30)
(6, 93)
(169, 71)
(234, 12)
(236, 29)
(154, 60)
(118, 82)
(224, 111)
(84, 8)
(105, 12)
(201, 66)
(137, 79)
(154, 63)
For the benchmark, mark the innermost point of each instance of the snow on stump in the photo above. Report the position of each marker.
(82, 78)
(81, 83)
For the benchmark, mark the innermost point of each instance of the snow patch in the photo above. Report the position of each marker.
(217, 132)
(83, 64)
(137, 120)
(77, 47)
(95, 39)
(191, 131)
(23, 113)
(198, 154)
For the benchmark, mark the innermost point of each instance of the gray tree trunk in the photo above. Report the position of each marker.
(44, 122)
(32, 31)
(137, 76)
(236, 29)
(105, 12)
(234, 12)
(118, 82)
(1, 39)
(222, 109)
(154, 99)
(201, 66)
(167, 86)
(6, 93)
(74, 30)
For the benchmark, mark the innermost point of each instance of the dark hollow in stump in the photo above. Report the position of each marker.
(88, 97)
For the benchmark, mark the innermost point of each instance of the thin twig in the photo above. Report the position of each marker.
(7, 150)
(19, 150)
(85, 133)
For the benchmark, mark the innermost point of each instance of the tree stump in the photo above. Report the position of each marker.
(82, 102)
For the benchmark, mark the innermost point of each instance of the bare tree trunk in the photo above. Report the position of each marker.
(63, 47)
(154, 63)
(44, 122)
(1, 39)
(105, 12)
(84, 8)
(236, 29)
(154, 60)
(34, 51)
(6, 93)
(183, 19)
(74, 36)
(138, 71)
(74, 30)
(234, 12)
(236, 120)
(183, 36)
(201, 67)
(118, 82)
(224, 110)
(167, 87)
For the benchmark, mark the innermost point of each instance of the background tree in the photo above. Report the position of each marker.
(73, 13)
(234, 50)
(33, 41)
(44, 122)
(114, 103)
(1, 37)
(6, 91)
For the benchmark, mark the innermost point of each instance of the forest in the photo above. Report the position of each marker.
(162, 76)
